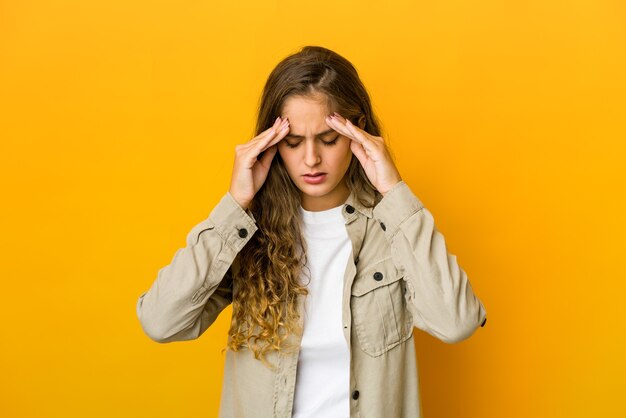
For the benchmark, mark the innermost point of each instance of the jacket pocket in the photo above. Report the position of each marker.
(379, 308)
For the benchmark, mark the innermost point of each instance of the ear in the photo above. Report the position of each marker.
(361, 122)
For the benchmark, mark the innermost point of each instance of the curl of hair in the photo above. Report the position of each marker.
(268, 284)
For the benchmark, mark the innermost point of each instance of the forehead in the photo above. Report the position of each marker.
(307, 116)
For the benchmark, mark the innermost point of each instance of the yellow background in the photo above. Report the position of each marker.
(118, 122)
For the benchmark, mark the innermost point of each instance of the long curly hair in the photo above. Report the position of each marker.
(267, 284)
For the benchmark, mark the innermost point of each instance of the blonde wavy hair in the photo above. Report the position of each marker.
(267, 285)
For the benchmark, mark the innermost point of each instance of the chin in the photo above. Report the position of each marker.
(315, 189)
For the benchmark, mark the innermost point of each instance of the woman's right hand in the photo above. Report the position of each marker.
(249, 173)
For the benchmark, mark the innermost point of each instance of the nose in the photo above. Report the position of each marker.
(312, 155)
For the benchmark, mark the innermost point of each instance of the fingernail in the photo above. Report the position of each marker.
(277, 119)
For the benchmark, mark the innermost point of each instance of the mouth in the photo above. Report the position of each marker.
(315, 178)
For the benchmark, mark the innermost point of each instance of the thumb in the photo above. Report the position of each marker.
(268, 155)
(358, 151)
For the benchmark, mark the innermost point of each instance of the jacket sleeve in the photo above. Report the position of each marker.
(439, 294)
(190, 292)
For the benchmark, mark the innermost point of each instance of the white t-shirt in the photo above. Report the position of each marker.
(323, 374)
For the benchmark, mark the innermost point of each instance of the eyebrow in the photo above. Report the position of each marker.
(319, 135)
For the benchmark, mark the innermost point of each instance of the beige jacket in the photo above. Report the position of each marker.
(400, 277)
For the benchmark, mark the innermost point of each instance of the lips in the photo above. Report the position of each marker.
(315, 178)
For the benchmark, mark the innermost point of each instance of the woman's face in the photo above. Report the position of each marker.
(312, 146)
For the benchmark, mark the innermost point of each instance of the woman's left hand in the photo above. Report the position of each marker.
(371, 151)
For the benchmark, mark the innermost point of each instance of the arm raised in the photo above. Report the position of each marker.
(190, 292)
(439, 293)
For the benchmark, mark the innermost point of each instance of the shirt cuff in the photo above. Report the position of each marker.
(397, 205)
(232, 222)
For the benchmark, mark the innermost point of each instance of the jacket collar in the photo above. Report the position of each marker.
(355, 203)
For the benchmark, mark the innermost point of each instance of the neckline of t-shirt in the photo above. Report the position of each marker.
(332, 215)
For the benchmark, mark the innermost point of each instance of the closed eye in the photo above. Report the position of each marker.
(329, 143)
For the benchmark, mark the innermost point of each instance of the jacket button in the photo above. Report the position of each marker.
(355, 394)
(483, 324)
(349, 209)
(378, 276)
(243, 232)
(382, 225)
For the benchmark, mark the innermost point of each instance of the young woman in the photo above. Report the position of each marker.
(327, 256)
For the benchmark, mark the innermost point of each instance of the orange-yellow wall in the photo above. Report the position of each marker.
(118, 122)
